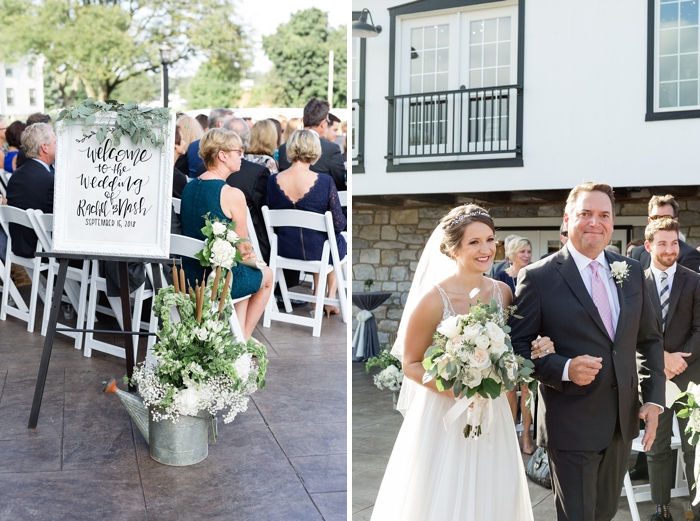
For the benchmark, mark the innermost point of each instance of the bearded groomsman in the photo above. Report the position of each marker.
(675, 296)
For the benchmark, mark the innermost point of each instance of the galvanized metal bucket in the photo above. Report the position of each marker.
(179, 444)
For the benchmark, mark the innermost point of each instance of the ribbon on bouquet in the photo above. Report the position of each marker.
(463, 405)
(358, 341)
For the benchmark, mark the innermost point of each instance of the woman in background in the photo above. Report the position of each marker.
(13, 135)
(191, 131)
(292, 125)
(263, 143)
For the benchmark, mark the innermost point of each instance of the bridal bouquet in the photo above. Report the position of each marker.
(692, 412)
(472, 355)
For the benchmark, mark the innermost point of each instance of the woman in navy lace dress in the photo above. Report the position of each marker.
(300, 188)
(221, 151)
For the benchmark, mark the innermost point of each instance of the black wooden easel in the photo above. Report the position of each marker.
(131, 345)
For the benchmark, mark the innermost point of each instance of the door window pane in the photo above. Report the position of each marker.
(489, 63)
(430, 54)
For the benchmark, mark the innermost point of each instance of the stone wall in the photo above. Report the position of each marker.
(387, 244)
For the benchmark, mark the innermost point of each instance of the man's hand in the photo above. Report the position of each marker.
(583, 369)
(668, 374)
(650, 414)
(674, 363)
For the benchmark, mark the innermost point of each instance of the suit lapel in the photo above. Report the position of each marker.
(572, 276)
(676, 290)
(653, 294)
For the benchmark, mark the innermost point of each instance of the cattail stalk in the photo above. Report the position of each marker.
(227, 285)
(176, 282)
(215, 288)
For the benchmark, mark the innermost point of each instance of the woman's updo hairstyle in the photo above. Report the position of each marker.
(456, 221)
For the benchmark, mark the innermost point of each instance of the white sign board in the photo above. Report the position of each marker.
(112, 200)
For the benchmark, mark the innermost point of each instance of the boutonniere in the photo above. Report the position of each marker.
(619, 271)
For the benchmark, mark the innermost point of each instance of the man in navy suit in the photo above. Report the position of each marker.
(331, 160)
(31, 186)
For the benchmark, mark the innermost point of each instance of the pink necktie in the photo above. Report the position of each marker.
(600, 299)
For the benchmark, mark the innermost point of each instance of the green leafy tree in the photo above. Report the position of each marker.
(213, 87)
(299, 51)
(97, 45)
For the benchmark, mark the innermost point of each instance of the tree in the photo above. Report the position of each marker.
(212, 87)
(100, 44)
(299, 51)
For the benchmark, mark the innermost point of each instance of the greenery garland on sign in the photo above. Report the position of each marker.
(131, 120)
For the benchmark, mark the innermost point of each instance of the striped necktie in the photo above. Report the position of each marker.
(664, 295)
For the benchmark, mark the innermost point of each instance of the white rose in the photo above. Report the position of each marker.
(512, 368)
(222, 254)
(498, 348)
(231, 236)
(618, 268)
(471, 332)
(449, 327)
(218, 228)
(495, 332)
(481, 342)
(479, 359)
(695, 390)
(694, 420)
(242, 366)
(472, 377)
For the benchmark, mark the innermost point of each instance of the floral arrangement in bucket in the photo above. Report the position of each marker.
(472, 355)
(200, 366)
(391, 375)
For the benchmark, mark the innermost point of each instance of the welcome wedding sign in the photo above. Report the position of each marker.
(113, 191)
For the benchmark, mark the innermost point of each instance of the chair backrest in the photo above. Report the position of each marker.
(176, 205)
(185, 246)
(295, 218)
(10, 214)
(43, 227)
(343, 197)
(252, 236)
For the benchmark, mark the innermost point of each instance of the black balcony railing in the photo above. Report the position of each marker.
(358, 135)
(455, 124)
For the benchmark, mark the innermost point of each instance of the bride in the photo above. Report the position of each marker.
(435, 473)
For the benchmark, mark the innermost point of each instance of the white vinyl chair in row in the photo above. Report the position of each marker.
(33, 266)
(311, 221)
(77, 279)
(176, 205)
(640, 493)
(343, 198)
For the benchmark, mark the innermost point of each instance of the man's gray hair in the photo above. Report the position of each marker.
(34, 136)
(241, 128)
(218, 115)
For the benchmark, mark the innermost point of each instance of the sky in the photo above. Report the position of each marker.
(262, 17)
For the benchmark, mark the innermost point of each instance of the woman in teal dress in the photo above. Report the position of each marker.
(221, 150)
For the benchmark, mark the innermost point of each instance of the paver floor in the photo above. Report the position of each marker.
(283, 459)
(375, 425)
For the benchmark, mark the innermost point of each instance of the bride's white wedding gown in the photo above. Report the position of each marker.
(438, 474)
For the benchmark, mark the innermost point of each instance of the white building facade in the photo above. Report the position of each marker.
(510, 104)
(22, 88)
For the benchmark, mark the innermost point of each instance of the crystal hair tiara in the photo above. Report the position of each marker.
(473, 213)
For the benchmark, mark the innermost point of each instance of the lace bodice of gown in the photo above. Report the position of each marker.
(448, 310)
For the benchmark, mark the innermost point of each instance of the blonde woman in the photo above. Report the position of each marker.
(518, 254)
(292, 125)
(300, 188)
(191, 131)
(263, 143)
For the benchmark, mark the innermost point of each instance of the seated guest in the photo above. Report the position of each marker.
(332, 128)
(37, 117)
(191, 131)
(280, 132)
(300, 188)
(3, 139)
(13, 136)
(179, 177)
(251, 179)
(31, 186)
(204, 121)
(217, 118)
(331, 160)
(292, 125)
(263, 143)
(221, 150)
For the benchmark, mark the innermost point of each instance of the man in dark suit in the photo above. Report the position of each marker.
(675, 297)
(31, 186)
(661, 206)
(598, 320)
(251, 179)
(331, 160)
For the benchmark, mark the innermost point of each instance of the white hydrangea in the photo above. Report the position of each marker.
(243, 366)
(390, 378)
(222, 253)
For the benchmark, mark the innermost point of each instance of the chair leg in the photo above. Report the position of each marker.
(34, 294)
(82, 298)
(92, 310)
(320, 298)
(629, 491)
(7, 283)
(284, 290)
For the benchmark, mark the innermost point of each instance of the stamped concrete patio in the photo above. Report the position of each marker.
(283, 459)
(375, 426)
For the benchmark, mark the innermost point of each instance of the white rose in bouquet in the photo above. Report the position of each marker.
(471, 332)
(472, 377)
(231, 236)
(694, 420)
(449, 327)
(218, 228)
(479, 359)
(482, 342)
(695, 390)
(511, 365)
(498, 348)
(495, 332)
(222, 253)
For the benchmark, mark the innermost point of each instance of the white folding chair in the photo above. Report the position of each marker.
(312, 221)
(99, 283)
(77, 279)
(176, 205)
(640, 493)
(4, 179)
(181, 246)
(33, 266)
(343, 197)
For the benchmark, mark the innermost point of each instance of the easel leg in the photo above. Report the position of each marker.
(48, 343)
(131, 346)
